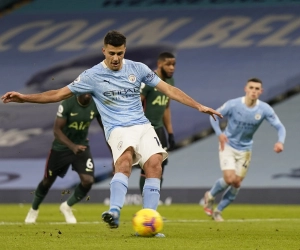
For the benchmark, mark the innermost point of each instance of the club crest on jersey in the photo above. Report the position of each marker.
(120, 145)
(257, 117)
(132, 78)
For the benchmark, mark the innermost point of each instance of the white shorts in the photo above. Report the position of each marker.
(143, 140)
(233, 159)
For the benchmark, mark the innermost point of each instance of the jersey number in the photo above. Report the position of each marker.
(89, 164)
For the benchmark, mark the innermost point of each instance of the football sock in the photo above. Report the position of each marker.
(218, 187)
(79, 193)
(151, 193)
(142, 183)
(39, 195)
(118, 190)
(228, 197)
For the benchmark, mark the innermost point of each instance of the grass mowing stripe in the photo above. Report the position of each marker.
(4, 223)
(246, 227)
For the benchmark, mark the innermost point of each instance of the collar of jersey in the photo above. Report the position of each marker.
(105, 66)
(243, 101)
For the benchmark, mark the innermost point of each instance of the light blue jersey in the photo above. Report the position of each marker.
(244, 121)
(116, 93)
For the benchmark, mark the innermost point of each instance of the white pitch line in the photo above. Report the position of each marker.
(7, 223)
(239, 220)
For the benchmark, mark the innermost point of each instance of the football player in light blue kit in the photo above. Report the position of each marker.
(115, 87)
(245, 114)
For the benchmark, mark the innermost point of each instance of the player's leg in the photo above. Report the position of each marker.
(39, 195)
(50, 174)
(122, 142)
(83, 164)
(227, 165)
(163, 140)
(151, 190)
(152, 156)
(242, 164)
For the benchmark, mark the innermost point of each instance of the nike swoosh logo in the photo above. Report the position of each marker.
(73, 114)
(88, 170)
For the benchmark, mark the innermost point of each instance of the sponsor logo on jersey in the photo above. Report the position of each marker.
(132, 78)
(92, 114)
(124, 92)
(150, 76)
(79, 125)
(74, 114)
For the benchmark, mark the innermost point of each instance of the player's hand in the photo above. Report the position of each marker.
(210, 112)
(12, 96)
(77, 149)
(223, 140)
(278, 147)
(171, 140)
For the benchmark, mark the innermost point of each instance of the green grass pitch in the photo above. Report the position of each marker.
(186, 227)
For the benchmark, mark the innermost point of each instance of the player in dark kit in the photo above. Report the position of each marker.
(70, 147)
(157, 107)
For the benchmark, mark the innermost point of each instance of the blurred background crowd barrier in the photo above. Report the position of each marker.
(218, 45)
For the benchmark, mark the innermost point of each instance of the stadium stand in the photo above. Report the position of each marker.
(217, 50)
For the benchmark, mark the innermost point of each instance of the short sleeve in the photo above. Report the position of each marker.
(271, 116)
(148, 76)
(82, 84)
(63, 110)
(225, 108)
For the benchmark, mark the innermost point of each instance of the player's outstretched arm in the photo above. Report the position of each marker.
(44, 97)
(178, 95)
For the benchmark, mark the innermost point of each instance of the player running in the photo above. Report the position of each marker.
(245, 115)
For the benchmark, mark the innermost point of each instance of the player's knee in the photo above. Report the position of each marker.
(124, 163)
(230, 180)
(87, 181)
(47, 182)
(236, 184)
(153, 167)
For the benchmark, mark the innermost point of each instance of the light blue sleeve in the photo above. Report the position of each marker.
(225, 111)
(82, 84)
(273, 119)
(148, 76)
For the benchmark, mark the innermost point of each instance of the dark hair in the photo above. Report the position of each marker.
(114, 38)
(164, 55)
(255, 79)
